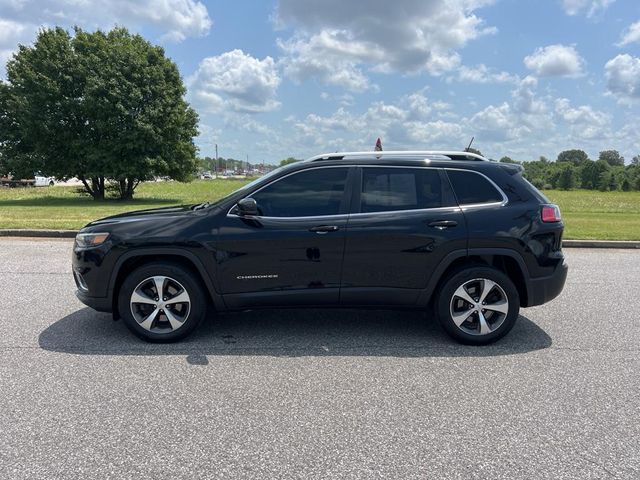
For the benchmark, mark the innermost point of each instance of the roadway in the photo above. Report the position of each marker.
(318, 394)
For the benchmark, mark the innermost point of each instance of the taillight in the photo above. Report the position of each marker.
(550, 213)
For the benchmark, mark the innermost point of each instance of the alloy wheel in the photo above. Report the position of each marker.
(160, 304)
(479, 306)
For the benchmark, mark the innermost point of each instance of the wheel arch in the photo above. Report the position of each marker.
(137, 258)
(506, 260)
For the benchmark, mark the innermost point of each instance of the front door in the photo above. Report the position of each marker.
(405, 222)
(291, 252)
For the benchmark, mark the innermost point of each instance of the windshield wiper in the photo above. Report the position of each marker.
(201, 206)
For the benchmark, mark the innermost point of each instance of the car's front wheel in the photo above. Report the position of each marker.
(161, 302)
(478, 305)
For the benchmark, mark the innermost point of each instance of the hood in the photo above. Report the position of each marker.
(166, 213)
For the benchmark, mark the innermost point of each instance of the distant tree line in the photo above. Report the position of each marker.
(574, 169)
(211, 164)
(287, 161)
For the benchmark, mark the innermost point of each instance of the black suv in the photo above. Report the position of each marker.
(452, 230)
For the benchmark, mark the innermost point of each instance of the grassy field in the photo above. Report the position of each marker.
(61, 207)
(591, 214)
(587, 214)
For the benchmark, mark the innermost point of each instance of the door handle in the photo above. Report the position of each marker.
(442, 224)
(322, 229)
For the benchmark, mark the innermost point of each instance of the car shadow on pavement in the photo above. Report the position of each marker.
(289, 333)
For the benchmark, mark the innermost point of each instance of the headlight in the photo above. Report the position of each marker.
(88, 240)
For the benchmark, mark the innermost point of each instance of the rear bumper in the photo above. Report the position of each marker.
(544, 289)
(101, 304)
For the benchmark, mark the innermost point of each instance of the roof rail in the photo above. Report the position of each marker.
(442, 154)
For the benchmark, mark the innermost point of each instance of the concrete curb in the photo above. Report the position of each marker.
(633, 244)
(38, 233)
(601, 244)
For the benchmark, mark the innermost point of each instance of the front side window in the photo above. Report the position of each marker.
(391, 189)
(472, 188)
(309, 193)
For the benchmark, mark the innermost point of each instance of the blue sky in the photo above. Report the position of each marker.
(283, 78)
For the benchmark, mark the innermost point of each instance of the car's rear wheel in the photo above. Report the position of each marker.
(478, 305)
(161, 302)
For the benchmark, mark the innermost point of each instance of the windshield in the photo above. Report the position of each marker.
(249, 186)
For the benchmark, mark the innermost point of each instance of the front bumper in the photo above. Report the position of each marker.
(101, 304)
(544, 289)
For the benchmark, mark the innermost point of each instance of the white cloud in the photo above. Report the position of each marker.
(584, 121)
(320, 57)
(524, 126)
(630, 35)
(174, 20)
(436, 132)
(170, 20)
(407, 123)
(481, 74)
(587, 7)
(246, 123)
(441, 106)
(11, 34)
(494, 123)
(235, 81)
(623, 78)
(334, 40)
(525, 117)
(555, 61)
(524, 97)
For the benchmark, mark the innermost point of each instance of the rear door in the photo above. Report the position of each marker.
(405, 221)
(291, 253)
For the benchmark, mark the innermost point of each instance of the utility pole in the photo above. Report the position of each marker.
(215, 165)
(246, 172)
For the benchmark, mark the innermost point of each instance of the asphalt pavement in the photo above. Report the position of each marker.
(318, 394)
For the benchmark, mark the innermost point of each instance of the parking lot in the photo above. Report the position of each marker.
(318, 394)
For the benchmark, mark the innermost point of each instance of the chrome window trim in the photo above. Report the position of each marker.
(467, 206)
(341, 216)
(349, 215)
(413, 210)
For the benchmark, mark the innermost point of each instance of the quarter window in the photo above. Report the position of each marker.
(389, 189)
(305, 194)
(472, 188)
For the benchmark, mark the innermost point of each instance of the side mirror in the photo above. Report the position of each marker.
(247, 207)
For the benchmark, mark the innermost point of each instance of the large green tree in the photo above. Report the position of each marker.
(576, 157)
(566, 179)
(612, 157)
(101, 106)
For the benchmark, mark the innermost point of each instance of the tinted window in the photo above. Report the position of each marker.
(388, 189)
(472, 188)
(304, 194)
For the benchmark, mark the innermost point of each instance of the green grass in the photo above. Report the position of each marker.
(61, 207)
(587, 214)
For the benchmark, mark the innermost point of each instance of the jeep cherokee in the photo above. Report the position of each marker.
(469, 237)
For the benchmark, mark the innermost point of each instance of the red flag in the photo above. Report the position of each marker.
(378, 145)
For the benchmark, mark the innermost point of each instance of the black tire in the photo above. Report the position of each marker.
(473, 278)
(177, 276)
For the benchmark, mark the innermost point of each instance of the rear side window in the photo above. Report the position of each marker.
(471, 188)
(389, 189)
(306, 194)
